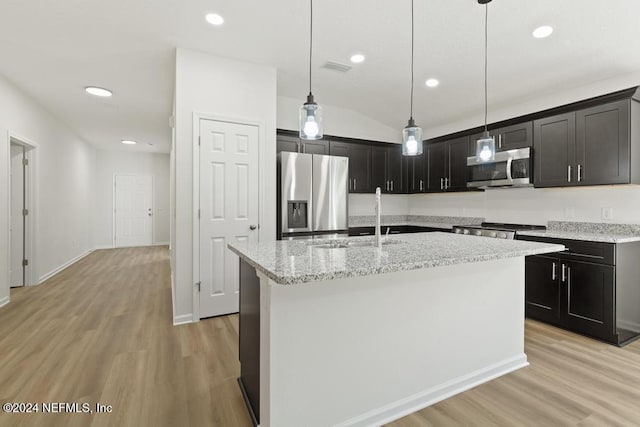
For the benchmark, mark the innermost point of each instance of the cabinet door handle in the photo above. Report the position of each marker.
(564, 272)
(392, 185)
(568, 290)
(442, 183)
(355, 184)
(554, 276)
(420, 185)
(568, 173)
(446, 183)
(579, 172)
(500, 140)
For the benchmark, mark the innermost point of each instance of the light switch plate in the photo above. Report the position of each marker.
(607, 213)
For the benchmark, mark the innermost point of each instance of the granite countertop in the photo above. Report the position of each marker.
(589, 231)
(292, 262)
(418, 220)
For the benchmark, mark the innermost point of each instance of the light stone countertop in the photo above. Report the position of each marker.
(290, 262)
(589, 231)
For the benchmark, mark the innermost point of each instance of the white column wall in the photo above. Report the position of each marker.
(232, 89)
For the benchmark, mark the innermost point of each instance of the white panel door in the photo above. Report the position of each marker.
(228, 209)
(17, 220)
(133, 210)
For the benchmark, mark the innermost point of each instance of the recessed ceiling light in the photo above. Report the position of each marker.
(129, 142)
(98, 91)
(357, 58)
(542, 32)
(214, 19)
(432, 82)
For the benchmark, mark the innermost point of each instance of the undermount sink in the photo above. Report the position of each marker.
(352, 244)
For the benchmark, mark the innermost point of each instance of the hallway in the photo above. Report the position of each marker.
(100, 331)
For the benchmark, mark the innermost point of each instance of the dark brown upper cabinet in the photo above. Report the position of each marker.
(509, 137)
(320, 146)
(416, 169)
(446, 164)
(388, 167)
(287, 143)
(554, 145)
(591, 146)
(291, 143)
(359, 155)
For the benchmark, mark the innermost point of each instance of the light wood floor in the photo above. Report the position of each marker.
(101, 331)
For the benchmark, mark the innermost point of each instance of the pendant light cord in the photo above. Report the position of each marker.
(412, 38)
(486, 19)
(310, 43)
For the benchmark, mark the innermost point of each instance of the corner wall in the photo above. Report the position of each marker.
(63, 184)
(233, 89)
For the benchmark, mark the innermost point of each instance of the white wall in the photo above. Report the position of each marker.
(535, 206)
(392, 204)
(233, 89)
(110, 163)
(338, 122)
(63, 183)
(545, 100)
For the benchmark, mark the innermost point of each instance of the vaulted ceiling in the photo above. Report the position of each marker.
(53, 49)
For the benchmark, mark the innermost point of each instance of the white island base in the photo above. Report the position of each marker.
(367, 350)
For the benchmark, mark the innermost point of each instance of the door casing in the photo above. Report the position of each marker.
(31, 199)
(197, 116)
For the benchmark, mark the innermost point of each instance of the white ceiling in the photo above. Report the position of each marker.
(53, 49)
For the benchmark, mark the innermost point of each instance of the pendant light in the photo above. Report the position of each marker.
(310, 112)
(411, 134)
(486, 145)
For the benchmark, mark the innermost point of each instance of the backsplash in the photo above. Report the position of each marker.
(537, 206)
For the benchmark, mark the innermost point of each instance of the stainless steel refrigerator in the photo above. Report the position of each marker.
(312, 195)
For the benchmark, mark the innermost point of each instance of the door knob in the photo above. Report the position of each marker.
(253, 227)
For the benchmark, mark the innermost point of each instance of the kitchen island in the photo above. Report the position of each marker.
(341, 333)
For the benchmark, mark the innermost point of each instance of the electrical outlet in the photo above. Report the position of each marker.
(607, 213)
(569, 213)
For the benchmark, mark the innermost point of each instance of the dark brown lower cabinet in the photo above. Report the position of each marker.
(588, 291)
(542, 290)
(573, 294)
(249, 340)
(592, 288)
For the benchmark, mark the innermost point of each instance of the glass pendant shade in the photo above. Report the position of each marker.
(310, 120)
(485, 148)
(411, 139)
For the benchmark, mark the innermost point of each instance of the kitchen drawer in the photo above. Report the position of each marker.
(362, 231)
(581, 250)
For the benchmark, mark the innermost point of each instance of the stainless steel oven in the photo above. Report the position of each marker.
(512, 168)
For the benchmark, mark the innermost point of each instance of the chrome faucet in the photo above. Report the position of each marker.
(378, 210)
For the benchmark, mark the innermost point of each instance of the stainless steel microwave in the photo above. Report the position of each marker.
(512, 168)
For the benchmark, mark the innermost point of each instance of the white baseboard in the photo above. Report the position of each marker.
(4, 301)
(183, 319)
(63, 266)
(421, 400)
(103, 247)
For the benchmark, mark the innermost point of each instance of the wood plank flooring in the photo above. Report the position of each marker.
(101, 331)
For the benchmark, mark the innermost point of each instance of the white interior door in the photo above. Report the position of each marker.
(228, 209)
(16, 273)
(133, 210)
